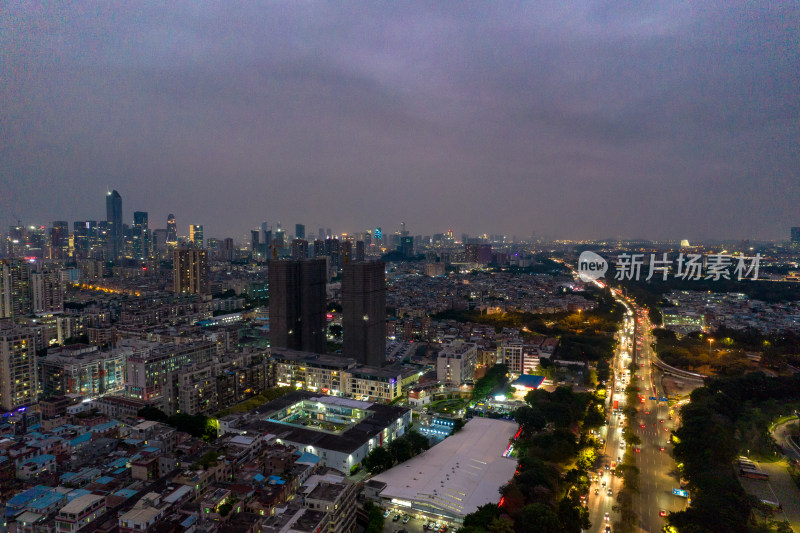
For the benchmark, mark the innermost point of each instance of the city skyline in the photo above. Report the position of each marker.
(192, 232)
(580, 120)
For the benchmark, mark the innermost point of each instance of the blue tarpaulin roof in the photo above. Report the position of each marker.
(126, 493)
(308, 458)
(528, 382)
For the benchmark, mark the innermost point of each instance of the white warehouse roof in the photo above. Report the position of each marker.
(459, 474)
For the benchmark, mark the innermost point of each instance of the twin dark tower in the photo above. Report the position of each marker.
(297, 310)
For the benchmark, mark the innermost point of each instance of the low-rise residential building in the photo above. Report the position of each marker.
(80, 512)
(334, 494)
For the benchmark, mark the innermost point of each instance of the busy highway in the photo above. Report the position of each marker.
(653, 424)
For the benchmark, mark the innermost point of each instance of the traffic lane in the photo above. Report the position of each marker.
(781, 435)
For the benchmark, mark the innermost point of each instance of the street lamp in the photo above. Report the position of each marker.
(710, 341)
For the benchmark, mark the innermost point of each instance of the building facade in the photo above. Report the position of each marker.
(297, 305)
(364, 312)
(190, 271)
(456, 363)
(18, 385)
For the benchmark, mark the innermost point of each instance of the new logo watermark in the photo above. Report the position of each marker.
(685, 266)
(591, 266)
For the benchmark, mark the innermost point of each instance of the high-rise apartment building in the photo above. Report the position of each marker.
(15, 288)
(297, 305)
(149, 365)
(114, 218)
(196, 235)
(190, 271)
(47, 292)
(364, 312)
(17, 365)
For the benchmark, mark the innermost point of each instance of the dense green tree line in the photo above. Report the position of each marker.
(199, 426)
(548, 444)
(399, 450)
(707, 442)
(495, 380)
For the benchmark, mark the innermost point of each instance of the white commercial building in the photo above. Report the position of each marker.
(455, 477)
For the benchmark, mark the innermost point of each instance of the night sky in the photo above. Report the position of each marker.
(664, 120)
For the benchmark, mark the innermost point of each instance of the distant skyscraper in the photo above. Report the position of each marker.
(172, 230)
(59, 239)
(297, 305)
(299, 249)
(190, 271)
(227, 249)
(140, 235)
(299, 231)
(80, 234)
(255, 241)
(364, 312)
(196, 235)
(360, 251)
(114, 218)
(407, 246)
(796, 237)
(280, 237)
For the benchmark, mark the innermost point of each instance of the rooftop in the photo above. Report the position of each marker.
(347, 440)
(460, 473)
(80, 503)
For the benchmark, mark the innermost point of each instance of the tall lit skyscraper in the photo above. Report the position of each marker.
(140, 233)
(15, 288)
(364, 312)
(196, 235)
(299, 231)
(190, 271)
(172, 231)
(114, 218)
(795, 237)
(297, 305)
(17, 366)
